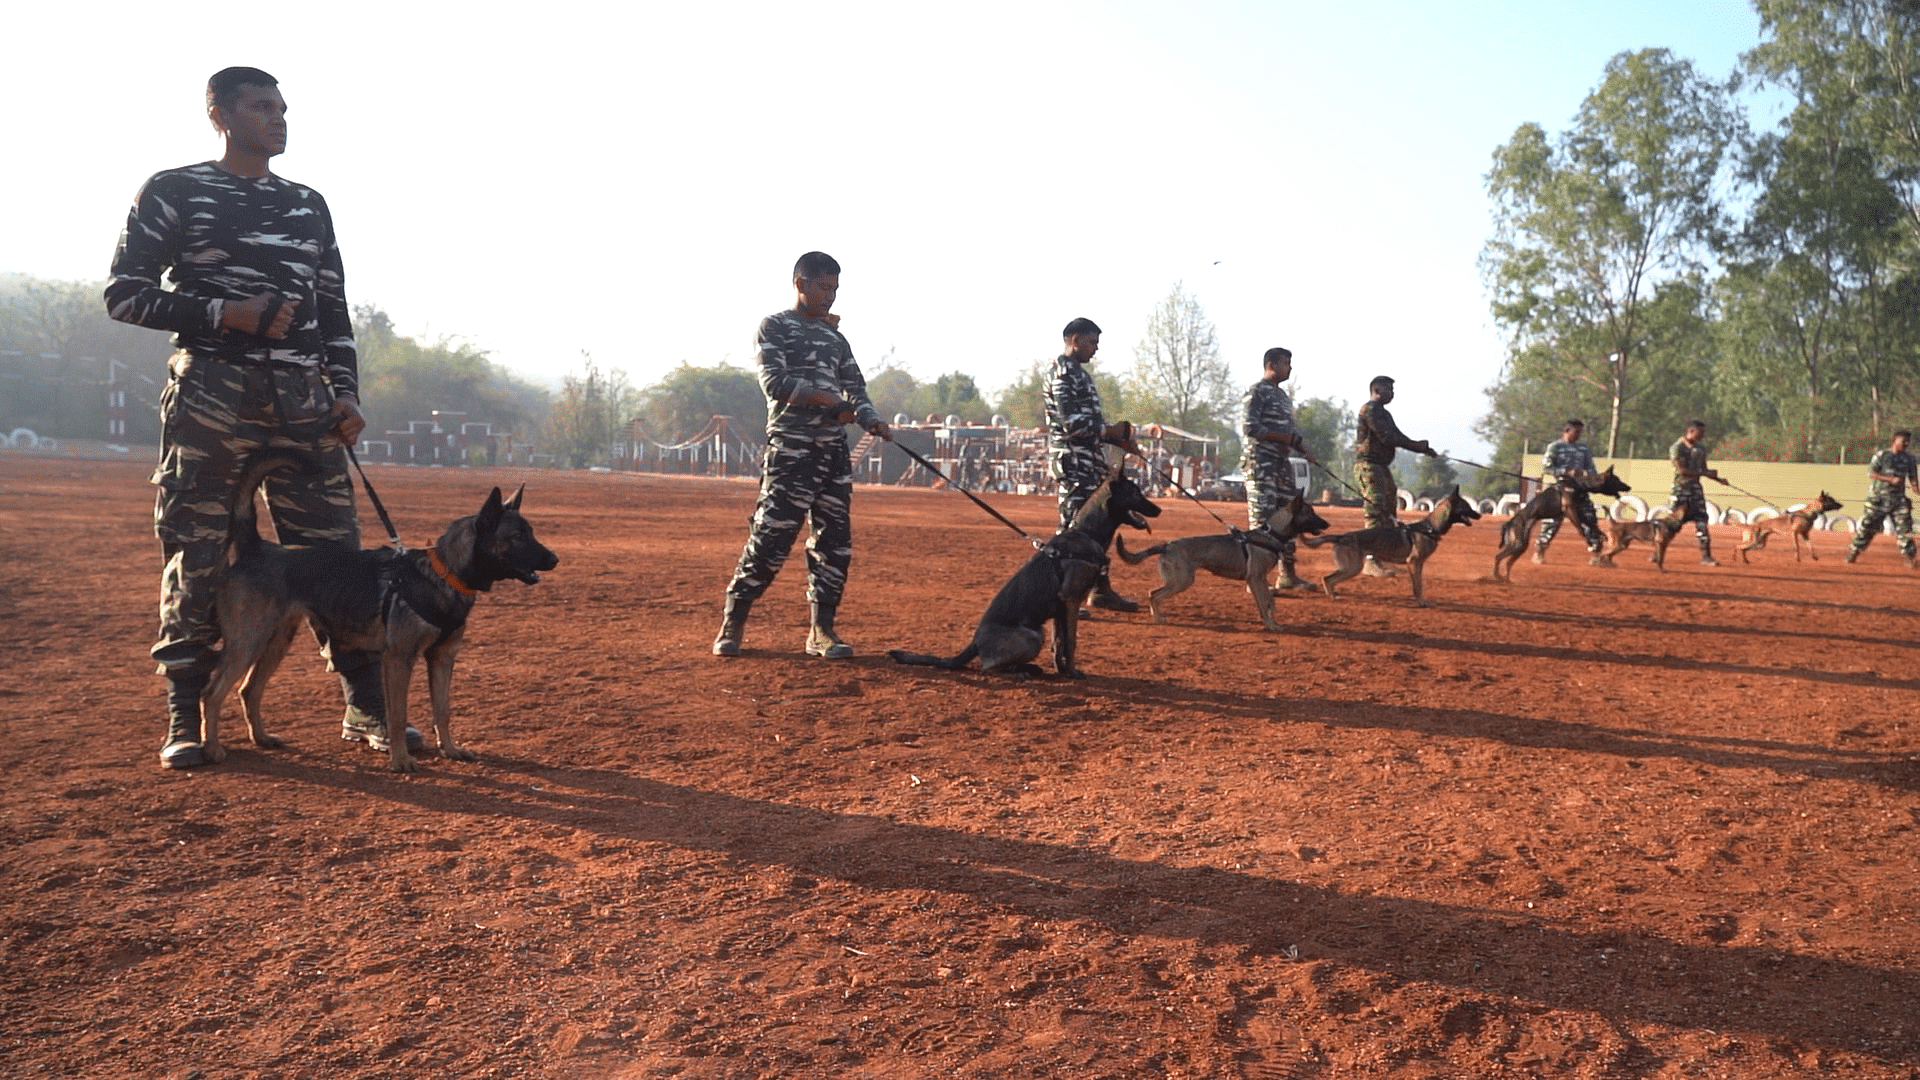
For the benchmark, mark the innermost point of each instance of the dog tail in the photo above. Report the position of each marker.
(243, 526)
(946, 663)
(1133, 559)
(1316, 541)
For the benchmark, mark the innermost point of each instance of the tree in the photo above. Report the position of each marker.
(1592, 226)
(1178, 375)
(403, 379)
(593, 409)
(688, 398)
(1023, 401)
(1327, 425)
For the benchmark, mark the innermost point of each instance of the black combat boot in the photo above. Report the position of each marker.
(1706, 552)
(183, 749)
(821, 640)
(1289, 579)
(1106, 599)
(366, 716)
(733, 626)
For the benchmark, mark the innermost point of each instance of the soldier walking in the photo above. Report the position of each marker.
(1568, 464)
(1689, 459)
(1266, 456)
(1377, 440)
(1077, 437)
(1893, 475)
(814, 388)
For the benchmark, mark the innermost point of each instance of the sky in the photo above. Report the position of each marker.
(635, 181)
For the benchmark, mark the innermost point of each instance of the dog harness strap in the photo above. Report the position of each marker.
(440, 567)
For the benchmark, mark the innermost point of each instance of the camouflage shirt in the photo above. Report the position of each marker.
(1073, 408)
(218, 237)
(1690, 457)
(1378, 436)
(1888, 463)
(797, 356)
(1266, 410)
(1563, 457)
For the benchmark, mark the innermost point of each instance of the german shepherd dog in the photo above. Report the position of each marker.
(403, 604)
(1659, 532)
(1799, 524)
(1517, 533)
(1240, 556)
(1049, 588)
(1412, 544)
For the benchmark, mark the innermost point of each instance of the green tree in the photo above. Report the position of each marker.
(404, 379)
(1178, 376)
(1023, 401)
(591, 412)
(1327, 425)
(688, 398)
(58, 352)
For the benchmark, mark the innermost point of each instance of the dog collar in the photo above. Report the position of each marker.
(440, 567)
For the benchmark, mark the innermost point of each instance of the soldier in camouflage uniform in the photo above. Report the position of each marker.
(265, 361)
(1893, 473)
(1569, 464)
(1076, 432)
(1689, 459)
(1269, 441)
(814, 388)
(1377, 438)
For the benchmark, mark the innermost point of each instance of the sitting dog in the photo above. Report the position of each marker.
(406, 604)
(1658, 532)
(1798, 523)
(1412, 544)
(1517, 533)
(1241, 556)
(1049, 588)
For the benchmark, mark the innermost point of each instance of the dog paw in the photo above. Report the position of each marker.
(269, 742)
(458, 753)
(404, 765)
(215, 753)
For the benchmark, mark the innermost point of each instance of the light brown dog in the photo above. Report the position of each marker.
(1248, 557)
(1411, 544)
(1799, 524)
(1659, 532)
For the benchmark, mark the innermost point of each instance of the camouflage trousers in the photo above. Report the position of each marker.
(1690, 504)
(1077, 472)
(1379, 493)
(1878, 510)
(1268, 489)
(1578, 505)
(802, 480)
(215, 419)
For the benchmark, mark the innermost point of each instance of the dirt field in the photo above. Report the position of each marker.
(1594, 824)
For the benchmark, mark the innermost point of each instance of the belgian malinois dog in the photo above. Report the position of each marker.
(404, 604)
(1240, 556)
(1517, 533)
(1412, 544)
(1049, 589)
(1799, 524)
(1657, 532)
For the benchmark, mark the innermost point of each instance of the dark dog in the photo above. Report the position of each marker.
(1658, 532)
(1799, 524)
(1050, 588)
(1248, 557)
(1551, 503)
(1411, 544)
(404, 604)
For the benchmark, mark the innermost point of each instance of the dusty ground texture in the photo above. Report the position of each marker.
(1593, 824)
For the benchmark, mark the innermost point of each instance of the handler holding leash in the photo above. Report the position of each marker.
(265, 361)
(813, 388)
(1689, 501)
(1893, 473)
(1376, 440)
(1266, 455)
(1569, 464)
(1076, 432)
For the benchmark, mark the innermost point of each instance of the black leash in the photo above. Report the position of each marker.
(1168, 479)
(1331, 475)
(928, 465)
(1489, 468)
(393, 534)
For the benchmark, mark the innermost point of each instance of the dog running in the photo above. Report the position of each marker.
(1240, 556)
(1049, 588)
(405, 604)
(1797, 523)
(1517, 533)
(1412, 544)
(1656, 532)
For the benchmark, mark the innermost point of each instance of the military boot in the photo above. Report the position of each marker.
(1373, 568)
(1706, 552)
(733, 626)
(1106, 599)
(183, 749)
(1853, 555)
(821, 640)
(1540, 555)
(365, 720)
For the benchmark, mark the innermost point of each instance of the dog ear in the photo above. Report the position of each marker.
(490, 513)
(513, 504)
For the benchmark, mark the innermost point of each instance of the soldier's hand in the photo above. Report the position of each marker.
(346, 413)
(845, 413)
(881, 429)
(1120, 433)
(245, 315)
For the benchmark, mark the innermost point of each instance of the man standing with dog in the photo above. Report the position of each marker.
(264, 361)
(1689, 457)
(814, 389)
(1568, 464)
(1077, 435)
(1377, 440)
(1893, 473)
(1269, 441)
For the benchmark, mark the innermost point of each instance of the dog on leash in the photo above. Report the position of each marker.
(404, 604)
(1798, 524)
(1412, 544)
(1240, 556)
(1517, 533)
(1049, 589)
(1656, 532)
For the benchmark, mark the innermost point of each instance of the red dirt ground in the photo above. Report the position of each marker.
(1593, 824)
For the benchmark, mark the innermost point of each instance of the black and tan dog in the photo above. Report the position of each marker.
(1657, 533)
(1798, 523)
(404, 604)
(1517, 533)
(1241, 556)
(1049, 589)
(1412, 544)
